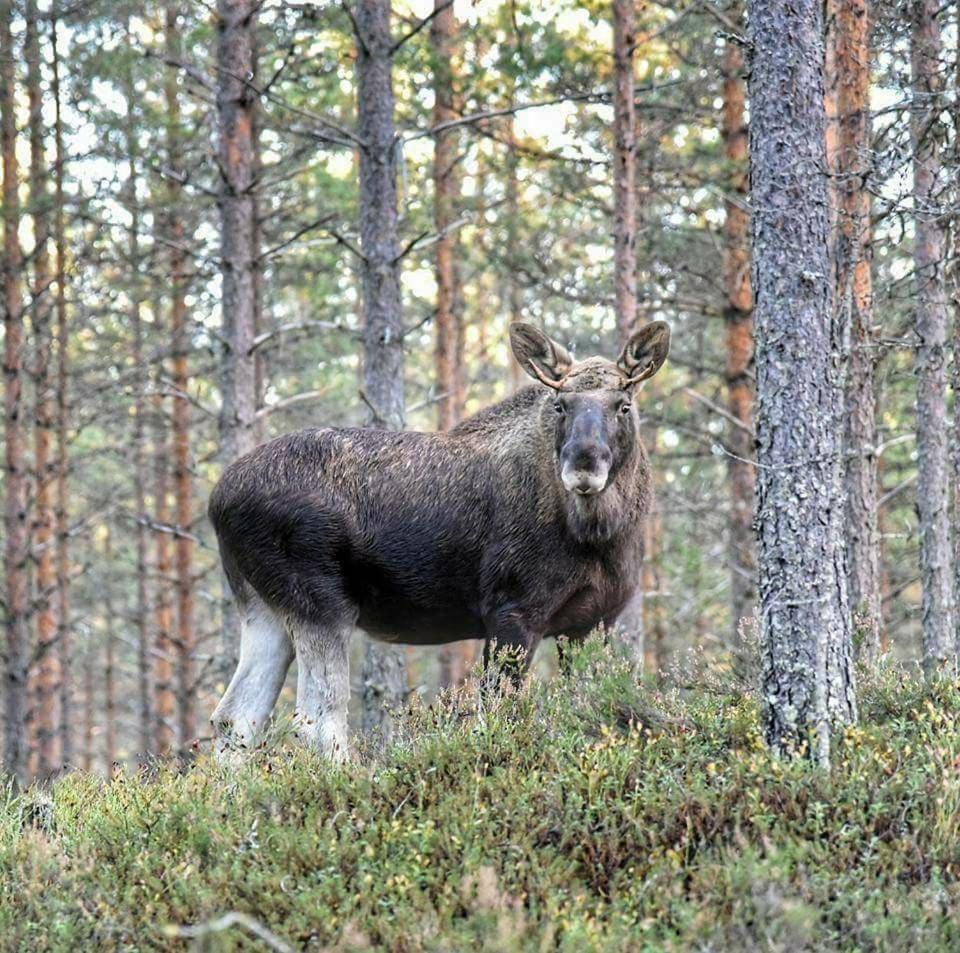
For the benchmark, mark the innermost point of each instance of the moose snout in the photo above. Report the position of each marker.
(585, 469)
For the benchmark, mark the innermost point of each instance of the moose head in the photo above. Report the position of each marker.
(592, 412)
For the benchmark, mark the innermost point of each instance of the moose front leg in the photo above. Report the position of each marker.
(512, 643)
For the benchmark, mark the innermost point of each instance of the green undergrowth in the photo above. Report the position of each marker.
(587, 813)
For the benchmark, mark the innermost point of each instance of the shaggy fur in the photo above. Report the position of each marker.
(426, 538)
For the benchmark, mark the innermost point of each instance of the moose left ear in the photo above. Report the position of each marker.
(644, 354)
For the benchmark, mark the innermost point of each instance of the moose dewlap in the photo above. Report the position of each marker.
(521, 523)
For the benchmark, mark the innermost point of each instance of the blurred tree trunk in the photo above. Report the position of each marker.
(47, 712)
(738, 317)
(180, 338)
(854, 290)
(384, 667)
(141, 385)
(513, 295)
(240, 264)
(929, 247)
(624, 167)
(164, 702)
(110, 661)
(446, 186)
(16, 547)
(448, 354)
(86, 743)
(631, 621)
(807, 669)
(64, 630)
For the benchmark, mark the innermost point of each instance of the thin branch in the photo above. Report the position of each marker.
(300, 398)
(263, 339)
(717, 409)
(426, 239)
(426, 20)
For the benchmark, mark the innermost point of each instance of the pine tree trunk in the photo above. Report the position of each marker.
(182, 472)
(145, 719)
(513, 295)
(16, 548)
(47, 711)
(64, 630)
(446, 185)
(384, 668)
(807, 670)
(854, 293)
(933, 488)
(240, 265)
(448, 353)
(624, 167)
(164, 707)
(738, 318)
(109, 663)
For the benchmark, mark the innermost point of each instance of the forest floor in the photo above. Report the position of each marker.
(588, 813)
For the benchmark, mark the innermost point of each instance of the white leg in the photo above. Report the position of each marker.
(265, 656)
(323, 687)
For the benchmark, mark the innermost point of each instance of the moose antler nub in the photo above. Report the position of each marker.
(556, 385)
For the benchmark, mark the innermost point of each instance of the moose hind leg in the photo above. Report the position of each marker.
(323, 686)
(265, 656)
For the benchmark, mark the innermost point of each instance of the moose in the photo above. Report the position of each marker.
(521, 523)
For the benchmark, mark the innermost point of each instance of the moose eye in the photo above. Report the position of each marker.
(558, 406)
(625, 408)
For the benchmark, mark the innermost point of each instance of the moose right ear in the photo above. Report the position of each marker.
(543, 359)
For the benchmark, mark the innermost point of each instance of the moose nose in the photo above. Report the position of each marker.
(586, 469)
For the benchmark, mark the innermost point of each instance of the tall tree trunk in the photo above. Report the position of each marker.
(854, 291)
(182, 472)
(64, 631)
(513, 295)
(47, 713)
(738, 317)
(164, 700)
(110, 662)
(631, 621)
(16, 548)
(624, 167)
(384, 667)
(141, 384)
(929, 246)
(86, 749)
(446, 186)
(240, 264)
(448, 352)
(807, 670)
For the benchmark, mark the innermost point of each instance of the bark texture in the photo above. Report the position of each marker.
(182, 471)
(448, 355)
(624, 167)
(850, 165)
(16, 547)
(384, 667)
(933, 487)
(46, 716)
(64, 634)
(738, 317)
(141, 378)
(807, 669)
(239, 253)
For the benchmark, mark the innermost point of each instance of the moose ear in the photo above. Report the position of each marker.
(645, 352)
(544, 360)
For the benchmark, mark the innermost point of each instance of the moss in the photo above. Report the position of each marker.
(592, 812)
